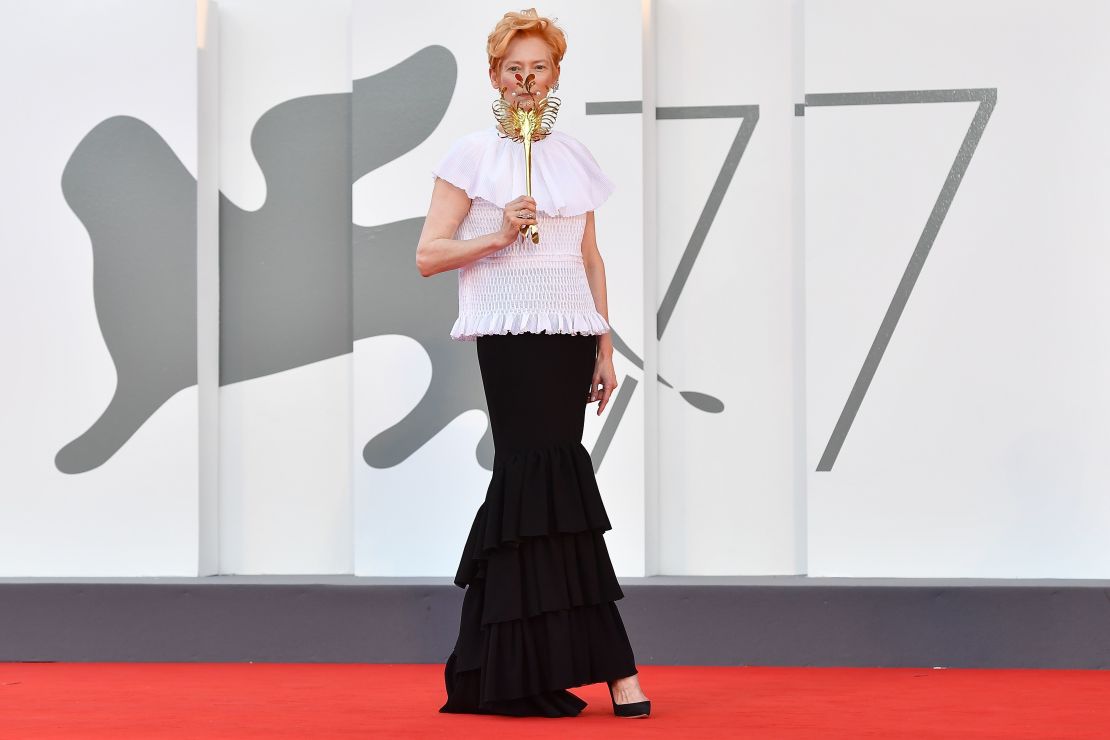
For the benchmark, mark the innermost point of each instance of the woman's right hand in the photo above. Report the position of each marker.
(511, 221)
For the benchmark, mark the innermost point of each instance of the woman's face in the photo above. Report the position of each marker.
(527, 54)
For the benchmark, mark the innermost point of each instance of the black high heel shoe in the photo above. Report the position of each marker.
(632, 709)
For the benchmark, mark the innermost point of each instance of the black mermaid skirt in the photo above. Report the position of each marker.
(538, 615)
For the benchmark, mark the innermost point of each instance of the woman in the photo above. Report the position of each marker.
(538, 615)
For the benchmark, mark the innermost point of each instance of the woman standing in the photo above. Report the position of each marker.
(538, 615)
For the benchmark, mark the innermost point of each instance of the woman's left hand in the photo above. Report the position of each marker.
(606, 377)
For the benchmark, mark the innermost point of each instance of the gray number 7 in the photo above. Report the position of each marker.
(987, 98)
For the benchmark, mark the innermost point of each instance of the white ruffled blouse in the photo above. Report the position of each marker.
(526, 287)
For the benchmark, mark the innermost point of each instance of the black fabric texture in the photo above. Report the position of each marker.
(538, 615)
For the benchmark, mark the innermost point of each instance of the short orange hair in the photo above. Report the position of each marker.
(529, 22)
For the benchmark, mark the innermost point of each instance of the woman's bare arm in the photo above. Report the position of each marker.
(595, 274)
(437, 251)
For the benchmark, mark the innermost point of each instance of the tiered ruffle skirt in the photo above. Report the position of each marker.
(538, 615)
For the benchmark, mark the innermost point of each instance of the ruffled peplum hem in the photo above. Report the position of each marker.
(469, 326)
(538, 616)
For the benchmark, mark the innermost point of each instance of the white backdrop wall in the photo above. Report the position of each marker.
(979, 446)
(285, 425)
(98, 435)
(972, 447)
(730, 489)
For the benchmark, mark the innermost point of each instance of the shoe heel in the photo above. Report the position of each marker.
(632, 709)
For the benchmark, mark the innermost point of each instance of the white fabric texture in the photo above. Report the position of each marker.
(526, 287)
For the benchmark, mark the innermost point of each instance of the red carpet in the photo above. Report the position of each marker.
(267, 700)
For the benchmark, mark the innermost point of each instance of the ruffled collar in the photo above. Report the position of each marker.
(566, 179)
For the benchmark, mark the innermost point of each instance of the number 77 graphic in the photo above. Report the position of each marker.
(750, 116)
(987, 98)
